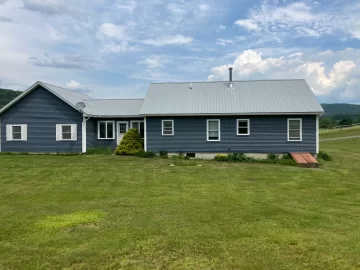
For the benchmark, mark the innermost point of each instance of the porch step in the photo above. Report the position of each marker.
(305, 160)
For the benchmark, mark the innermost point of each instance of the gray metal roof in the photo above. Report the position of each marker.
(68, 96)
(246, 97)
(113, 107)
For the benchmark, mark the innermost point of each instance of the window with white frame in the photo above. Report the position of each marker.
(16, 132)
(139, 125)
(243, 127)
(294, 129)
(106, 130)
(66, 132)
(167, 127)
(213, 130)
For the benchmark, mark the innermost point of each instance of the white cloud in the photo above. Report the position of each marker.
(76, 86)
(301, 19)
(251, 64)
(169, 40)
(49, 7)
(221, 28)
(129, 5)
(112, 31)
(224, 42)
(203, 8)
(155, 61)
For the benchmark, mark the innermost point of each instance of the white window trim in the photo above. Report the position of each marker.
(9, 133)
(106, 122)
(172, 127)
(132, 122)
(73, 129)
(207, 130)
(288, 129)
(248, 127)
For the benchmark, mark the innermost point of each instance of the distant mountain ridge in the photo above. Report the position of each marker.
(336, 109)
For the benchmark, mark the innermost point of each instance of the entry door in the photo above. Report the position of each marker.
(122, 128)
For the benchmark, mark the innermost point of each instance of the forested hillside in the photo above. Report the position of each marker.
(7, 95)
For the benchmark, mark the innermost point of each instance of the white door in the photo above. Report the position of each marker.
(122, 128)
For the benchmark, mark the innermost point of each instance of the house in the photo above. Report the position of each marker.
(202, 118)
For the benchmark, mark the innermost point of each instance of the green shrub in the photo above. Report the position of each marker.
(146, 154)
(163, 154)
(238, 157)
(100, 151)
(273, 156)
(131, 144)
(287, 157)
(324, 156)
(223, 158)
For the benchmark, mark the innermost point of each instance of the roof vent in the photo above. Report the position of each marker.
(230, 74)
(190, 86)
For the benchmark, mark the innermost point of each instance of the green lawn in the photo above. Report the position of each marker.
(109, 212)
(337, 133)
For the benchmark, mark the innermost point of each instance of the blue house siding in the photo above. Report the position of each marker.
(41, 111)
(268, 134)
(92, 140)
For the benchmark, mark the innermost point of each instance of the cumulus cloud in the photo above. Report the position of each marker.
(251, 64)
(169, 40)
(221, 28)
(300, 19)
(76, 86)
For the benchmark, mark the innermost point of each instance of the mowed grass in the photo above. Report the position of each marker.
(337, 133)
(109, 212)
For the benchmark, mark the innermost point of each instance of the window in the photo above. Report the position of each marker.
(243, 127)
(294, 129)
(139, 125)
(167, 127)
(66, 132)
(16, 132)
(106, 130)
(213, 130)
(122, 128)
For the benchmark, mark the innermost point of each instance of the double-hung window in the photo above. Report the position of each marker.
(16, 132)
(294, 129)
(106, 130)
(243, 127)
(213, 130)
(167, 127)
(66, 132)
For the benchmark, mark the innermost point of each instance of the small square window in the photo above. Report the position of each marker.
(16, 132)
(243, 127)
(66, 132)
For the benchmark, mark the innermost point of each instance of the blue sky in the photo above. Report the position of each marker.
(114, 49)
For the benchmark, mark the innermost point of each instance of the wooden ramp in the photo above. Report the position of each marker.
(305, 160)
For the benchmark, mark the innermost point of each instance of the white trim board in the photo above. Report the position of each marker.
(317, 135)
(145, 134)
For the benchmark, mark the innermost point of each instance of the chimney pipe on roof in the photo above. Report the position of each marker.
(230, 74)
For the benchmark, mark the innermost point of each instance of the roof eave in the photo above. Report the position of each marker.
(232, 114)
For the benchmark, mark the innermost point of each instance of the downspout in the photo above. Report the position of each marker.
(145, 135)
(83, 131)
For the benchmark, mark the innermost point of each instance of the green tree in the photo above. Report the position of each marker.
(131, 144)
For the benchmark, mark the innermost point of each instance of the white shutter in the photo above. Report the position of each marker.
(58, 133)
(24, 132)
(74, 132)
(9, 136)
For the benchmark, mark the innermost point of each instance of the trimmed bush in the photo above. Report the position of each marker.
(223, 158)
(131, 144)
(238, 157)
(147, 154)
(324, 156)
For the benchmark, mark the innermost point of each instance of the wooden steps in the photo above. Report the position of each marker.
(305, 160)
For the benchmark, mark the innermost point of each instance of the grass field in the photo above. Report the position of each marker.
(337, 133)
(109, 212)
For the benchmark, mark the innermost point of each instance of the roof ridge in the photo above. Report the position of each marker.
(64, 88)
(264, 80)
